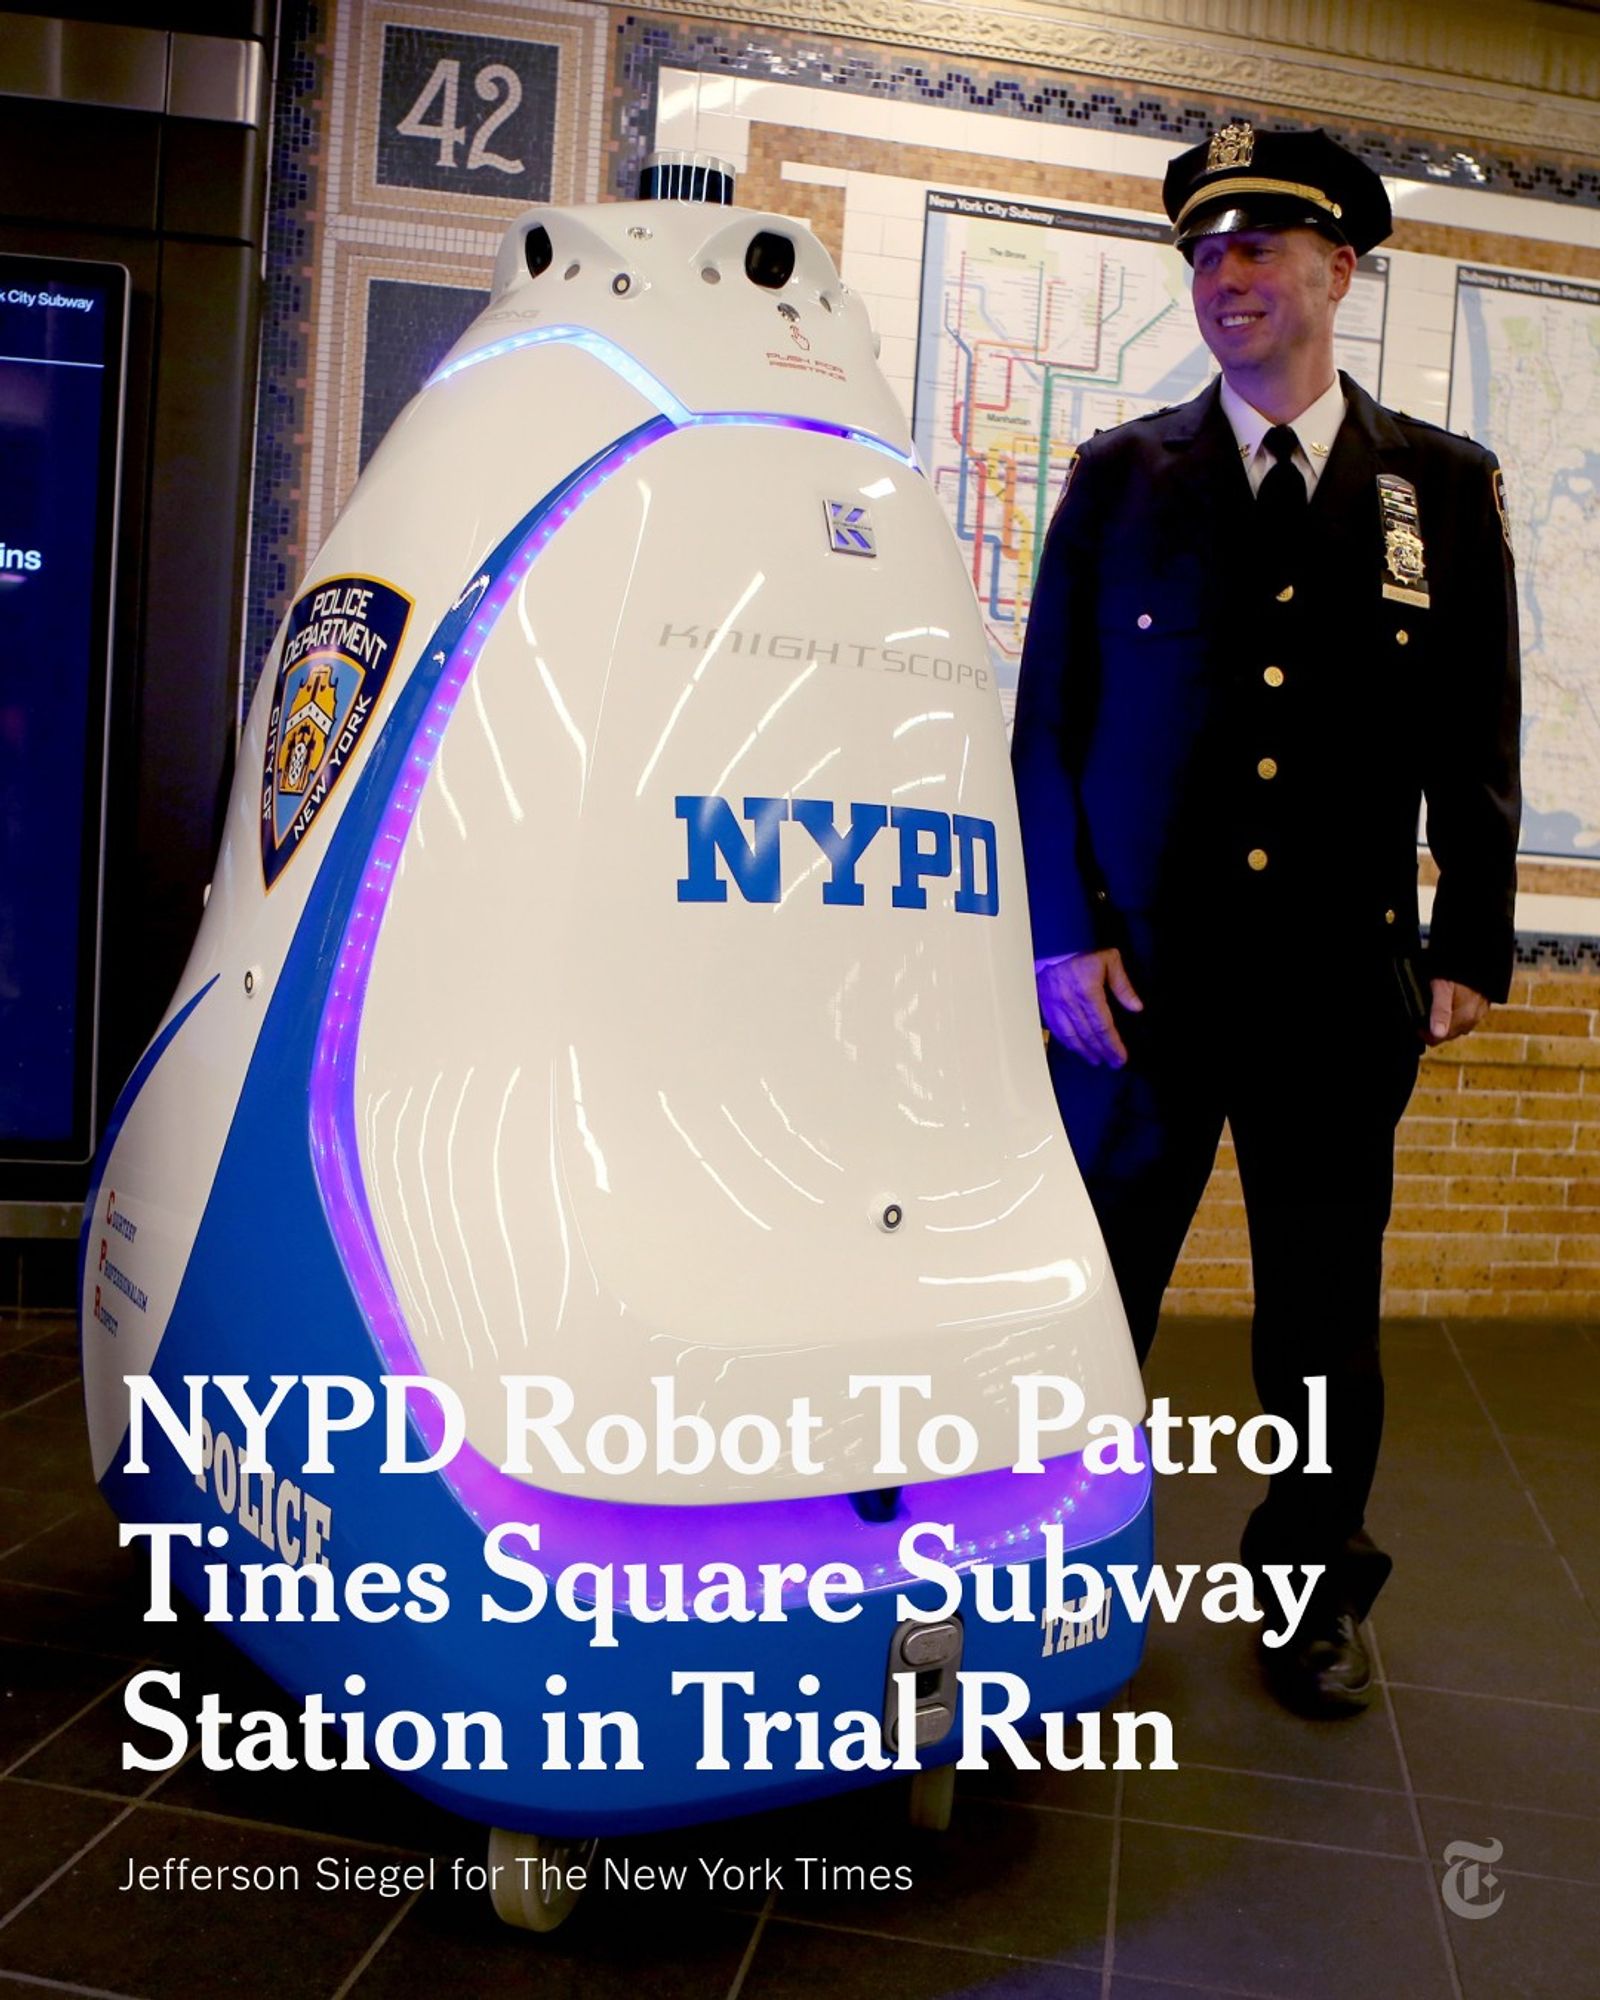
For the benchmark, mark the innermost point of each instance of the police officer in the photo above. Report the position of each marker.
(1268, 626)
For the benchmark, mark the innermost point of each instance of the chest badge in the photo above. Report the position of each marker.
(1405, 578)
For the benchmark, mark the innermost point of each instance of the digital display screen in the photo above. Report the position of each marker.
(62, 348)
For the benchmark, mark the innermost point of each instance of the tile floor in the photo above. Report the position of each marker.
(1285, 1858)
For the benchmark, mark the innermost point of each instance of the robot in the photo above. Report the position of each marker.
(616, 977)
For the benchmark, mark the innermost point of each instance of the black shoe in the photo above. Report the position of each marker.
(1324, 1672)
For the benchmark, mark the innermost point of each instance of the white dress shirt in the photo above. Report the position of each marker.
(1316, 428)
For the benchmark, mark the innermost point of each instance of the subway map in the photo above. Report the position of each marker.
(1525, 379)
(1039, 326)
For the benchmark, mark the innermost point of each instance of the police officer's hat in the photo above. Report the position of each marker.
(1244, 179)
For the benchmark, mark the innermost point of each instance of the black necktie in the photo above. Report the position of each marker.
(1283, 491)
(1281, 501)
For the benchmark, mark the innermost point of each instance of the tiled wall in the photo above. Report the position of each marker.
(408, 135)
(1497, 1171)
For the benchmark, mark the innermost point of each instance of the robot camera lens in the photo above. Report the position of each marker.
(769, 261)
(537, 250)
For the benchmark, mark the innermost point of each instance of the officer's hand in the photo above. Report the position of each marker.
(1072, 999)
(1457, 1010)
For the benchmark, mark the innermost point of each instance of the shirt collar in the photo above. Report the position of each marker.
(1316, 426)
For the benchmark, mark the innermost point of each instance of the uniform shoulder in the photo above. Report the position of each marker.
(1434, 437)
(1138, 431)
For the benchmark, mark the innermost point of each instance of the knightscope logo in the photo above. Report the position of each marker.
(932, 846)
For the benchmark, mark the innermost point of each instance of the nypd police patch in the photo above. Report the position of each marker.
(341, 642)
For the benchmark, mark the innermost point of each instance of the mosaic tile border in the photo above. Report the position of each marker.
(646, 42)
(1536, 953)
(1309, 58)
(283, 395)
(1563, 954)
(576, 35)
(355, 267)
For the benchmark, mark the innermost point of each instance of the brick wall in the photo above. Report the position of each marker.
(1497, 1173)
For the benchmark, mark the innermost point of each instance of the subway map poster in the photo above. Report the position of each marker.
(1037, 327)
(1525, 380)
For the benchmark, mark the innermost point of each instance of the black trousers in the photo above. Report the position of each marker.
(1312, 1074)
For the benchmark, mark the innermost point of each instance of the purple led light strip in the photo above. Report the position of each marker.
(654, 390)
(776, 421)
(994, 1515)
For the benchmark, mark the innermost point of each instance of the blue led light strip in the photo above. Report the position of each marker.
(607, 352)
(655, 391)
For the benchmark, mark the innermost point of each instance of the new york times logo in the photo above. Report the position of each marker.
(1470, 1878)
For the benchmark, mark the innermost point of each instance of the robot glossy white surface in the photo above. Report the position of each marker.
(624, 863)
(606, 1130)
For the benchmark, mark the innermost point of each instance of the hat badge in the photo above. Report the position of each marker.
(1232, 146)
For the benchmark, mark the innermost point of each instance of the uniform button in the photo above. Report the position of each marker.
(1388, 916)
(1402, 637)
(1286, 595)
(1273, 677)
(1144, 621)
(1267, 768)
(1257, 858)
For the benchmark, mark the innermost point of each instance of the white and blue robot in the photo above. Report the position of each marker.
(617, 971)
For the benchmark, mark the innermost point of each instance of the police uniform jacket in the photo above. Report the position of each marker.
(1208, 746)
